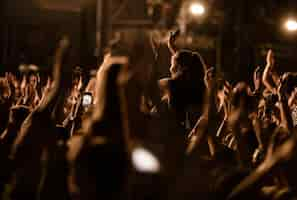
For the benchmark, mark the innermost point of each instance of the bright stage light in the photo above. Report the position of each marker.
(197, 9)
(144, 161)
(291, 25)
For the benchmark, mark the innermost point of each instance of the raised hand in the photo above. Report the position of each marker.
(257, 78)
(282, 87)
(110, 60)
(80, 84)
(270, 58)
(209, 78)
(173, 35)
(48, 84)
(9, 76)
(293, 97)
(15, 82)
(286, 119)
(171, 41)
(24, 83)
(50, 101)
(269, 73)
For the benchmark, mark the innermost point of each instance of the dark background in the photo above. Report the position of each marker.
(240, 31)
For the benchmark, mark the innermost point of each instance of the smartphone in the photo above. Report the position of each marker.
(87, 99)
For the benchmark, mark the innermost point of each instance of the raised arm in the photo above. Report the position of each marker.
(257, 79)
(286, 119)
(270, 61)
(48, 103)
(207, 123)
(171, 41)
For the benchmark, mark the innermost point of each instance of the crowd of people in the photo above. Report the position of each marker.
(124, 134)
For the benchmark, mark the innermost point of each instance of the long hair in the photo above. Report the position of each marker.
(187, 85)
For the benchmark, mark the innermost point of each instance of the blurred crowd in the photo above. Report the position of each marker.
(123, 133)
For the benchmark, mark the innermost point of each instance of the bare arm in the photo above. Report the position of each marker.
(48, 103)
(269, 66)
(171, 42)
(257, 78)
(207, 123)
(286, 119)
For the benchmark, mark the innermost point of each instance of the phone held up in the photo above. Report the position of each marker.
(87, 99)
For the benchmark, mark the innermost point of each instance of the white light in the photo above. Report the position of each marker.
(197, 9)
(291, 25)
(23, 67)
(33, 67)
(144, 161)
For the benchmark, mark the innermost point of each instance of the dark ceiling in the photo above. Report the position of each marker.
(252, 22)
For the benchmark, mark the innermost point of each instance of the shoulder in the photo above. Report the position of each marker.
(164, 82)
(164, 86)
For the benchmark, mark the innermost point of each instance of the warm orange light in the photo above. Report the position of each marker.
(197, 9)
(291, 25)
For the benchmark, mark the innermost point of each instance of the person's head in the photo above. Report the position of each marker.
(18, 114)
(186, 84)
(267, 110)
(186, 64)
